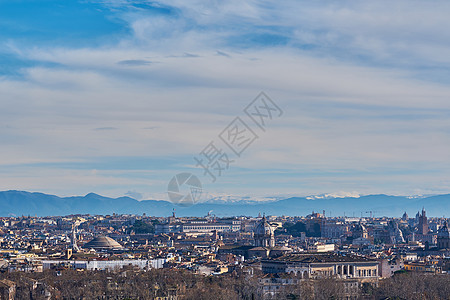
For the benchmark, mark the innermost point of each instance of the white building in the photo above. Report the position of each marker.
(322, 265)
(209, 227)
(102, 265)
(319, 248)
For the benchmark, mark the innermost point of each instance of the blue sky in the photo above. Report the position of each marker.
(116, 97)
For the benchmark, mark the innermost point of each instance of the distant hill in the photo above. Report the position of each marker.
(17, 203)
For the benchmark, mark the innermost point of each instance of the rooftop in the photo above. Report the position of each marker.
(102, 242)
(320, 258)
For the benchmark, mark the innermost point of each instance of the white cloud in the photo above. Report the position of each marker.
(370, 116)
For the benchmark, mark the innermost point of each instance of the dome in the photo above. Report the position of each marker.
(264, 234)
(102, 242)
(443, 231)
(263, 228)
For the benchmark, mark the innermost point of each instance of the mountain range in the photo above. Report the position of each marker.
(17, 203)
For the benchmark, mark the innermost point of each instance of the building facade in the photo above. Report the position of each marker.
(443, 237)
(322, 265)
(208, 227)
(264, 234)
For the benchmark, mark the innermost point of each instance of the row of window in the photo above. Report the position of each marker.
(207, 227)
(361, 273)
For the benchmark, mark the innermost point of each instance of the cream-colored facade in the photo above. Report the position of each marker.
(318, 265)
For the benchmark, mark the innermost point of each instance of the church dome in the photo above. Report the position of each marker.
(405, 216)
(443, 231)
(264, 234)
(102, 242)
(263, 228)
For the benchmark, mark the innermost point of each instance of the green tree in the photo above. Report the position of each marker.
(142, 227)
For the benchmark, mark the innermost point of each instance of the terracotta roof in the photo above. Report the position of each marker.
(321, 258)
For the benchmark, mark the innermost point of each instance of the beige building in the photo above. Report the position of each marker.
(209, 227)
(322, 265)
(320, 248)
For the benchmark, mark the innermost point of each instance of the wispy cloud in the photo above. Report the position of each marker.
(365, 88)
(134, 62)
(105, 128)
(220, 53)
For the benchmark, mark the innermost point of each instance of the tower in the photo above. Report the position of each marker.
(423, 223)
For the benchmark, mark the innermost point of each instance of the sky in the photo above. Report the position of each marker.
(116, 97)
